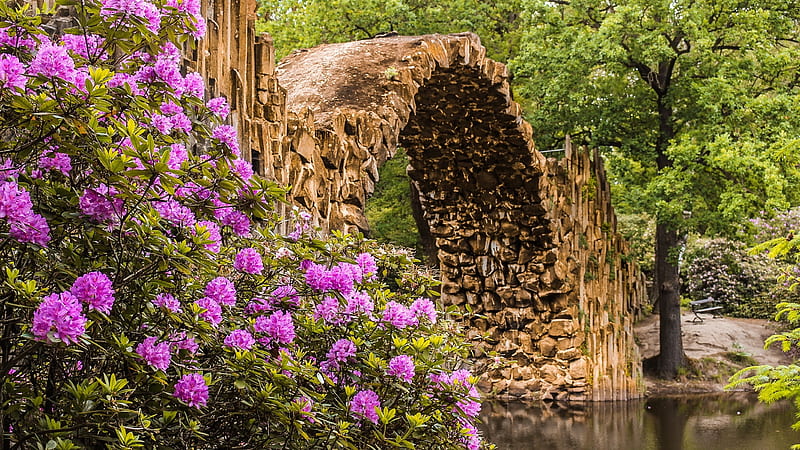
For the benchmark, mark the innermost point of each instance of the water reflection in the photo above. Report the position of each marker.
(708, 422)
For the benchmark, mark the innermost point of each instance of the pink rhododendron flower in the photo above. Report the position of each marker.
(88, 46)
(213, 235)
(177, 155)
(165, 300)
(60, 162)
(94, 289)
(369, 268)
(12, 72)
(32, 228)
(243, 168)
(175, 213)
(53, 61)
(227, 135)
(212, 313)
(363, 405)
(100, 204)
(278, 326)
(248, 260)
(401, 366)
(240, 339)
(423, 307)
(59, 317)
(156, 354)
(192, 390)
(219, 106)
(398, 315)
(341, 351)
(222, 291)
(327, 310)
(358, 303)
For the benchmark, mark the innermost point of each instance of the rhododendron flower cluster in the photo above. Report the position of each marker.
(240, 339)
(59, 317)
(94, 289)
(249, 261)
(17, 209)
(156, 354)
(401, 366)
(192, 390)
(364, 405)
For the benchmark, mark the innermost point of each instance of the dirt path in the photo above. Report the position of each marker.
(717, 346)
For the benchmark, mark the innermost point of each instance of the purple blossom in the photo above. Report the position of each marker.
(59, 161)
(248, 260)
(15, 202)
(221, 290)
(212, 313)
(169, 108)
(327, 310)
(227, 135)
(119, 79)
(175, 213)
(59, 318)
(100, 204)
(423, 307)
(306, 406)
(369, 268)
(240, 339)
(398, 315)
(470, 436)
(358, 303)
(219, 106)
(341, 277)
(12, 72)
(177, 155)
(87, 46)
(213, 235)
(401, 366)
(193, 85)
(192, 390)
(238, 221)
(185, 343)
(278, 326)
(341, 351)
(17, 37)
(53, 61)
(364, 405)
(168, 301)
(139, 8)
(243, 168)
(94, 289)
(156, 354)
(32, 228)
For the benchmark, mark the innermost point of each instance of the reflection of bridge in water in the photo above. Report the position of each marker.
(529, 244)
(693, 422)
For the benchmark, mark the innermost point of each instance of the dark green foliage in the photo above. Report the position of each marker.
(389, 209)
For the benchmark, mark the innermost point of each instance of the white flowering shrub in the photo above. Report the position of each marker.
(145, 300)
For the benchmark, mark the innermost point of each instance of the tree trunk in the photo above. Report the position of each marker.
(669, 306)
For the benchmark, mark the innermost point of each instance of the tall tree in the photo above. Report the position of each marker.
(305, 23)
(693, 101)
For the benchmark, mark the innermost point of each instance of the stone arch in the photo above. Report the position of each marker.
(529, 243)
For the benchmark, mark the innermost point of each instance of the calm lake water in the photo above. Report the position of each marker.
(707, 422)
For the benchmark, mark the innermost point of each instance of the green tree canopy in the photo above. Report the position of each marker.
(695, 103)
(305, 23)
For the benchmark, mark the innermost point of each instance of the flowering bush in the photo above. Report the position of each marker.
(725, 270)
(145, 299)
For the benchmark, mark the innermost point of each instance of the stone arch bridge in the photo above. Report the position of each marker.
(529, 243)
